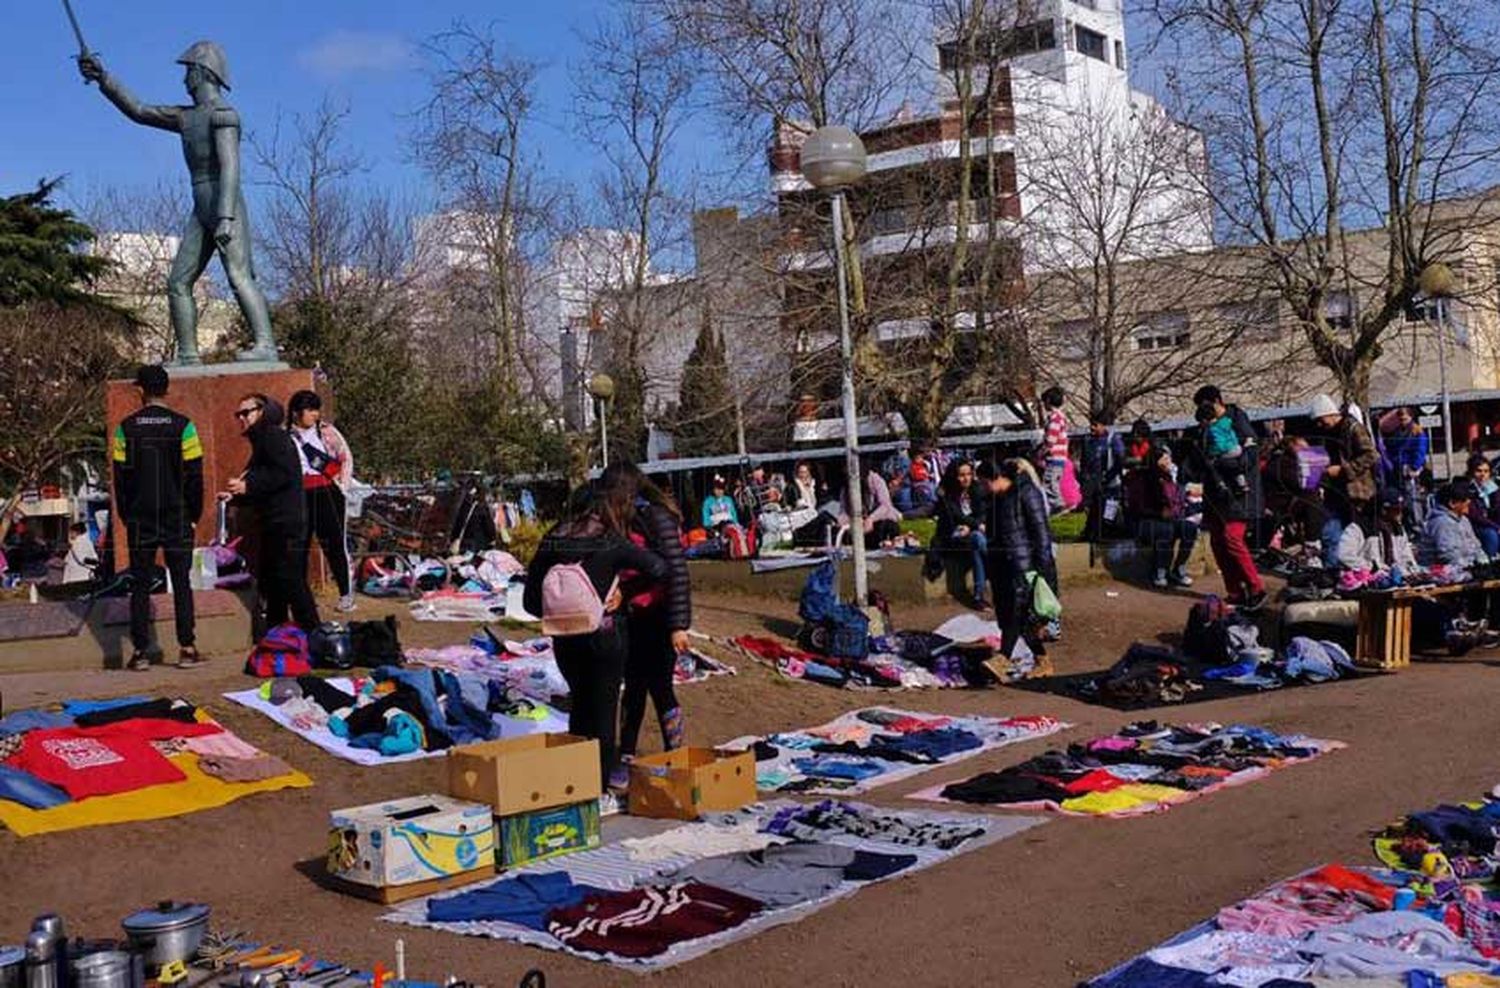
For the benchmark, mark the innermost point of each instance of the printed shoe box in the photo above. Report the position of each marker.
(524, 774)
(410, 840)
(543, 834)
(686, 783)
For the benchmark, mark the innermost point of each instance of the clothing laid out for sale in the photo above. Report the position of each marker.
(646, 921)
(1145, 767)
(525, 900)
(832, 817)
(98, 761)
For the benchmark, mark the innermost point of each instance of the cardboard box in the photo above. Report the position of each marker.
(521, 775)
(389, 895)
(543, 834)
(410, 840)
(684, 784)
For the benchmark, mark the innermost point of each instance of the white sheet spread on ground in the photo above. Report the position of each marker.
(510, 727)
(796, 767)
(613, 867)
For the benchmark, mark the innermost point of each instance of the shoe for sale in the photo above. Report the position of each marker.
(139, 662)
(345, 604)
(188, 657)
(1180, 577)
(609, 804)
(1160, 580)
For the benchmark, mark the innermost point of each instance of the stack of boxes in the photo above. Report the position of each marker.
(543, 790)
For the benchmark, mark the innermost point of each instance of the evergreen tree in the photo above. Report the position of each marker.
(41, 256)
(704, 423)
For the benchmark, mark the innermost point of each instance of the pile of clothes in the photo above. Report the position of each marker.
(529, 668)
(1145, 768)
(655, 900)
(1427, 918)
(900, 660)
(92, 748)
(878, 745)
(398, 711)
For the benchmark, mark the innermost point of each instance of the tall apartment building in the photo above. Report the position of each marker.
(1057, 71)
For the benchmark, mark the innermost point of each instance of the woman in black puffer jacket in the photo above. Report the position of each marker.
(1020, 542)
(660, 614)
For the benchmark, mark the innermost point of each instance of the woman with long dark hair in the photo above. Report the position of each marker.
(660, 614)
(327, 468)
(962, 521)
(595, 534)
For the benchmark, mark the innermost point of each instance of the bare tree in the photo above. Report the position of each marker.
(1327, 114)
(472, 136)
(631, 91)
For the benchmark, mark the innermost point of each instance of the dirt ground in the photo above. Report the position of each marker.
(1049, 907)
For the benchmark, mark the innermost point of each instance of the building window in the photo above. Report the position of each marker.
(1090, 43)
(1338, 309)
(1074, 339)
(1255, 321)
(1023, 39)
(1423, 309)
(1168, 331)
(1120, 55)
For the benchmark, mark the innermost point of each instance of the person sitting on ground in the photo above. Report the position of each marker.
(924, 491)
(1387, 546)
(962, 517)
(82, 560)
(1449, 538)
(757, 493)
(718, 507)
(1484, 509)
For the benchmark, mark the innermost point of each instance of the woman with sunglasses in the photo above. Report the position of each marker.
(272, 484)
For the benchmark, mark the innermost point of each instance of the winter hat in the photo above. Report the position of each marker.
(1323, 405)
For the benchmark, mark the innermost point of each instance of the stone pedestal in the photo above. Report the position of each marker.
(209, 396)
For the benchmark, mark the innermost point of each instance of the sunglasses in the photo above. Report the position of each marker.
(244, 413)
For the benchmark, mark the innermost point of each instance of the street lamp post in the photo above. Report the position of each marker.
(832, 160)
(1438, 284)
(602, 387)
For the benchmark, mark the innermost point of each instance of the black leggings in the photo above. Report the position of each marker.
(1013, 609)
(281, 579)
(593, 665)
(325, 522)
(649, 668)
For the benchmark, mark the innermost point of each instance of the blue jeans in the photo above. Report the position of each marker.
(1490, 539)
(1162, 534)
(981, 547)
(1333, 530)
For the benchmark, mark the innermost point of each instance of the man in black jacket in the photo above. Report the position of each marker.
(156, 459)
(272, 484)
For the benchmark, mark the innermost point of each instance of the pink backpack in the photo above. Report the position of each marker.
(570, 604)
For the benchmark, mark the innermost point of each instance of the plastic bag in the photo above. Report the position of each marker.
(1044, 602)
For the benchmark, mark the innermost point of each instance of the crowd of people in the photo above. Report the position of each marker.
(289, 495)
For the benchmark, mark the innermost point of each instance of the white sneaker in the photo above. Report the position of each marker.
(1160, 580)
(345, 604)
(1180, 577)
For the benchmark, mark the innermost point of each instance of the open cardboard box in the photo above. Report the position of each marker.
(684, 784)
(525, 774)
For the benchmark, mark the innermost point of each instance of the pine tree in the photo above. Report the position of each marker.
(41, 259)
(704, 423)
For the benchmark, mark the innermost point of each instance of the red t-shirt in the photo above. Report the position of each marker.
(101, 761)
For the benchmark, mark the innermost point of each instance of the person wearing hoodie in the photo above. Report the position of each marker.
(272, 485)
(1228, 508)
(1020, 544)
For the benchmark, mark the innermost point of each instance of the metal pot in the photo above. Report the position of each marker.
(168, 933)
(104, 964)
(12, 967)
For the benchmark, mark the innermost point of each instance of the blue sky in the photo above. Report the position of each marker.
(283, 56)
